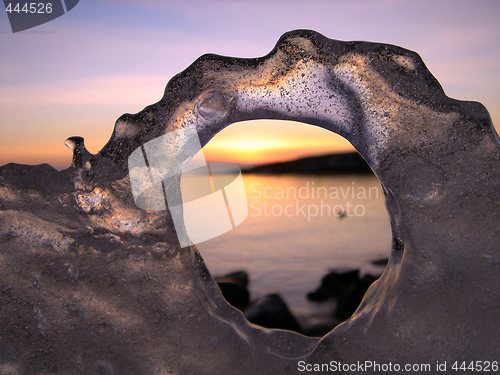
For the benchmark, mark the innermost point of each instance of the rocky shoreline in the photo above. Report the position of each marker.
(345, 287)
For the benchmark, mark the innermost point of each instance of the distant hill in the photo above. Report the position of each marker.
(346, 163)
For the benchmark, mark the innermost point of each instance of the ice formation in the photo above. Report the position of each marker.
(93, 284)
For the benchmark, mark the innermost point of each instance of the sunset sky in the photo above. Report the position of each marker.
(77, 74)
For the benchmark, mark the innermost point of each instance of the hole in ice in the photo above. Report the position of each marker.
(300, 225)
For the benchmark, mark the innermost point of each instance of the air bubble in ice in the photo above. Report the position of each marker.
(212, 105)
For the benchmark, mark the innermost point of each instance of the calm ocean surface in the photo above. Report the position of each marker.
(295, 233)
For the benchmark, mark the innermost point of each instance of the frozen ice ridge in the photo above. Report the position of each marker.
(93, 284)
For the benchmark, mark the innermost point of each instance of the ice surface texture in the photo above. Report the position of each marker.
(92, 284)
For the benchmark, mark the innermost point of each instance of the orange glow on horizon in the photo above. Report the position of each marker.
(242, 152)
(249, 142)
(269, 141)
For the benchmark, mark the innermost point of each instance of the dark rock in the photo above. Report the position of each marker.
(235, 295)
(238, 277)
(332, 285)
(380, 262)
(344, 286)
(234, 288)
(272, 312)
(350, 296)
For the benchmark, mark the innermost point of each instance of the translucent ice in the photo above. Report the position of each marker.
(93, 284)
(155, 175)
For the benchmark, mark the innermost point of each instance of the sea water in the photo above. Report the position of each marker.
(298, 228)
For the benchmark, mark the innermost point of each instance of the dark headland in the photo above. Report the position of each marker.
(345, 163)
